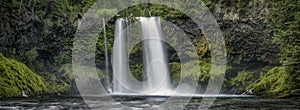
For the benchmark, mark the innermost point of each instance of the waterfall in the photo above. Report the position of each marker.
(119, 60)
(155, 62)
(107, 78)
(156, 69)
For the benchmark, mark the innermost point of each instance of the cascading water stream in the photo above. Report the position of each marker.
(155, 62)
(156, 74)
(120, 71)
(156, 69)
(107, 78)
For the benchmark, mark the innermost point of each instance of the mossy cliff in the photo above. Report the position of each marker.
(253, 52)
(261, 39)
(261, 45)
(16, 77)
(253, 56)
(275, 83)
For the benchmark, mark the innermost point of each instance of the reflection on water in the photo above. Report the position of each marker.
(146, 102)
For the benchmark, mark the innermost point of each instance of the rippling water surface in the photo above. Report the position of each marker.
(146, 102)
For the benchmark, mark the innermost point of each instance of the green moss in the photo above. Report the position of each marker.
(66, 72)
(274, 83)
(53, 85)
(202, 47)
(211, 3)
(136, 71)
(240, 82)
(61, 82)
(16, 77)
(241, 7)
(190, 72)
(175, 70)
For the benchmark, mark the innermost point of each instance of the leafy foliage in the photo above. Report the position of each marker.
(274, 83)
(40, 33)
(285, 19)
(240, 82)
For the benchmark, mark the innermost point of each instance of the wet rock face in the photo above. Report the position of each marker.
(248, 37)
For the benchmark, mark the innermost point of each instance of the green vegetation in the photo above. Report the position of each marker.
(240, 6)
(16, 77)
(212, 3)
(283, 81)
(240, 82)
(275, 83)
(175, 70)
(53, 85)
(40, 34)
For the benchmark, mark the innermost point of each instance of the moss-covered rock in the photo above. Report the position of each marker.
(175, 71)
(275, 83)
(64, 82)
(16, 77)
(53, 85)
(240, 82)
(66, 72)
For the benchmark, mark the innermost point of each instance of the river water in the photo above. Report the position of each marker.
(75, 103)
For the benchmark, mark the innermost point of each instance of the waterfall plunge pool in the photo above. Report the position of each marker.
(139, 102)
